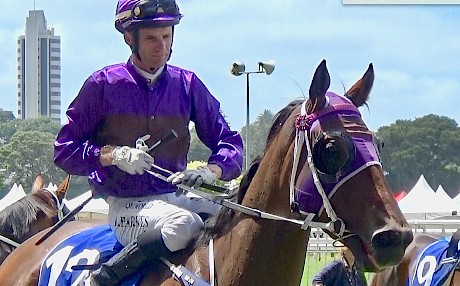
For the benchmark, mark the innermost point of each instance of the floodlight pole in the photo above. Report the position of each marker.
(247, 120)
(238, 69)
(247, 123)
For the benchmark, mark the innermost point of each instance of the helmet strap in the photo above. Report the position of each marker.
(135, 44)
(172, 41)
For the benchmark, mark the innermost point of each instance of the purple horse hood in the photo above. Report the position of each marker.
(306, 194)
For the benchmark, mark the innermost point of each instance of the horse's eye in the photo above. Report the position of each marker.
(331, 153)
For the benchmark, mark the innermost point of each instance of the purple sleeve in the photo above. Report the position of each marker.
(73, 151)
(212, 129)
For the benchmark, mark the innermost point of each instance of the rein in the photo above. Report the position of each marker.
(223, 199)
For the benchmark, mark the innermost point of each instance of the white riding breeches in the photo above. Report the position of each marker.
(174, 216)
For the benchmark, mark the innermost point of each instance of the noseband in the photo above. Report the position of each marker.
(313, 195)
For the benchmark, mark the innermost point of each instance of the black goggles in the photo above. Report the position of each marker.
(149, 9)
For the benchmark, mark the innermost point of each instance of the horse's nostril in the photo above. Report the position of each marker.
(387, 238)
(389, 245)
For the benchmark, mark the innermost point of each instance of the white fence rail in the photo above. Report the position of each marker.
(447, 227)
(321, 242)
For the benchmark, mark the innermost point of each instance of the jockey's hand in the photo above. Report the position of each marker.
(194, 178)
(131, 160)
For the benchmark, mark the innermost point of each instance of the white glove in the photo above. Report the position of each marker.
(193, 178)
(131, 160)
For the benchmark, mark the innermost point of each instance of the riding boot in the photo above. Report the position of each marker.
(130, 259)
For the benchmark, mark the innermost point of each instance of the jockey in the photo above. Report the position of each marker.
(121, 111)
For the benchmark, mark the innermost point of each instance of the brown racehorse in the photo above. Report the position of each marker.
(30, 214)
(398, 275)
(250, 250)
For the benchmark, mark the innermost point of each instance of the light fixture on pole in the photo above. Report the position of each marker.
(237, 69)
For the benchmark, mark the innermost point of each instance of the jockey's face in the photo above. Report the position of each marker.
(154, 47)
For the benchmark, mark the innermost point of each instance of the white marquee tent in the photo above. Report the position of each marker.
(456, 201)
(97, 206)
(16, 193)
(424, 203)
(444, 197)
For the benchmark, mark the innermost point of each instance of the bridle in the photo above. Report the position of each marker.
(59, 204)
(304, 124)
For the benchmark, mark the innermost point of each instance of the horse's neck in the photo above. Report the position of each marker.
(259, 251)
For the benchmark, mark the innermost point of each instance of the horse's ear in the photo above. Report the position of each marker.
(359, 92)
(319, 86)
(63, 187)
(38, 184)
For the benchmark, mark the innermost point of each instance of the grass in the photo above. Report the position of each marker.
(315, 261)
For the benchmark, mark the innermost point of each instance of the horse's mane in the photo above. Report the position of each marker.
(17, 217)
(219, 223)
(279, 120)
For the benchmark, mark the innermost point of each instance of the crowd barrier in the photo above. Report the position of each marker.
(319, 241)
(320, 250)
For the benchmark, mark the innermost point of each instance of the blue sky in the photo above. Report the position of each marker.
(414, 49)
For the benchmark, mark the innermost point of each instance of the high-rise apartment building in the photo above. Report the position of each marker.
(39, 69)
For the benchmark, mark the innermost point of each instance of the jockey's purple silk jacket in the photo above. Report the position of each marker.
(115, 106)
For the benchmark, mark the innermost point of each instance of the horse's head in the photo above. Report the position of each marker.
(52, 201)
(31, 214)
(339, 175)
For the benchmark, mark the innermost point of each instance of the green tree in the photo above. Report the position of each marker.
(198, 151)
(7, 129)
(78, 186)
(258, 132)
(41, 124)
(422, 146)
(6, 115)
(2, 181)
(28, 154)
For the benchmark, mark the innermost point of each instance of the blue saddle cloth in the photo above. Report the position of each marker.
(88, 247)
(433, 267)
